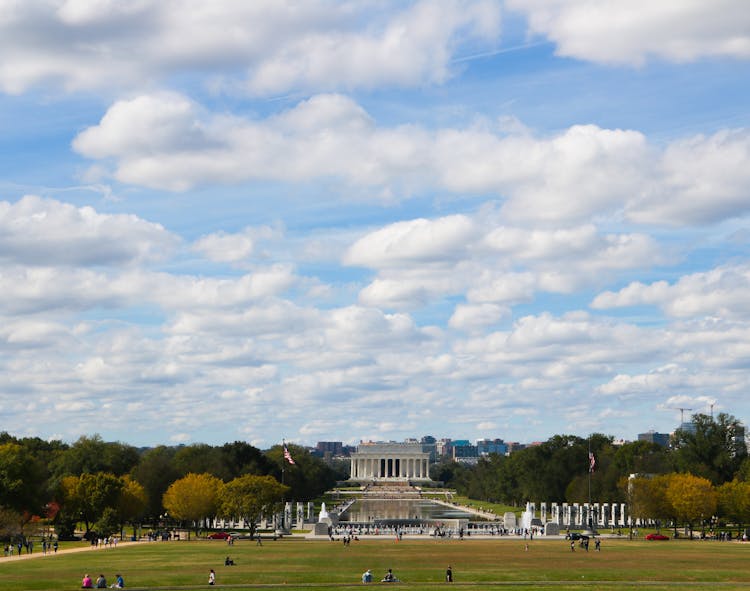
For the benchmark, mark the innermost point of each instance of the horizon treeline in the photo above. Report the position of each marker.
(36, 476)
(34, 473)
(558, 469)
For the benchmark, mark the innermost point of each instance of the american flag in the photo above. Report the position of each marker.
(287, 455)
(592, 461)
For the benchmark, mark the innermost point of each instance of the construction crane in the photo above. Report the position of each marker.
(682, 413)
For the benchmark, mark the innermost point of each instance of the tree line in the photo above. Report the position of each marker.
(704, 472)
(104, 485)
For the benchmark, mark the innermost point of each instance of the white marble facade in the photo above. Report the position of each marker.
(390, 462)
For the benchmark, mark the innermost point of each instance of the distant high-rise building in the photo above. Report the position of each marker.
(465, 453)
(491, 446)
(688, 427)
(514, 446)
(654, 437)
(443, 447)
(335, 448)
(429, 445)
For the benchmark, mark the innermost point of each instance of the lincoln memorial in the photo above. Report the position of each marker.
(390, 462)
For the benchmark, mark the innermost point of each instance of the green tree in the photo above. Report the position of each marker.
(646, 497)
(743, 472)
(22, 480)
(132, 503)
(307, 479)
(641, 457)
(92, 454)
(201, 458)
(711, 448)
(693, 498)
(156, 471)
(11, 524)
(240, 458)
(85, 497)
(193, 498)
(108, 523)
(734, 502)
(250, 497)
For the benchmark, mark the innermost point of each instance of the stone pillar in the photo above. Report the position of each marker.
(287, 518)
(543, 512)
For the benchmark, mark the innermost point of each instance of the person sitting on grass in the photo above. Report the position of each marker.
(101, 582)
(228, 561)
(389, 577)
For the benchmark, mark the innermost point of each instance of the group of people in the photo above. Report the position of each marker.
(101, 582)
(29, 546)
(584, 543)
(391, 578)
(388, 578)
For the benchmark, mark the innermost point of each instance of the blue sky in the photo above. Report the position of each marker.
(372, 220)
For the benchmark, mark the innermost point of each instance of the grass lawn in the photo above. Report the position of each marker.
(477, 564)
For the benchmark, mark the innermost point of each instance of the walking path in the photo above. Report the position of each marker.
(52, 553)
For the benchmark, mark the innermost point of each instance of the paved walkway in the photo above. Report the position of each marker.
(51, 553)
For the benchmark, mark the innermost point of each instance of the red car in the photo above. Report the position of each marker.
(657, 537)
(219, 535)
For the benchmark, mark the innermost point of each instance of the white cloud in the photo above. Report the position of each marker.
(475, 317)
(723, 292)
(166, 141)
(260, 47)
(702, 179)
(225, 247)
(629, 33)
(36, 231)
(423, 260)
(414, 241)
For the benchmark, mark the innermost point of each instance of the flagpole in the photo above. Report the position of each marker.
(589, 478)
(283, 461)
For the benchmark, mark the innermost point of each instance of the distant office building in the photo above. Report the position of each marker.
(334, 448)
(465, 453)
(514, 446)
(654, 437)
(444, 447)
(429, 445)
(688, 427)
(740, 438)
(486, 447)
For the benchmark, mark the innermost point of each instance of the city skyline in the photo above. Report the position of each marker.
(248, 221)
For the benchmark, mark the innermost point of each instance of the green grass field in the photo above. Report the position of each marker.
(420, 564)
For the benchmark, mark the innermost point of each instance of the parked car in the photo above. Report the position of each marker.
(657, 537)
(219, 535)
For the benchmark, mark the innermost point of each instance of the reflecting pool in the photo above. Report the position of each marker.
(379, 510)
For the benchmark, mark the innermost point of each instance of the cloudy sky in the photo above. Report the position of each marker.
(326, 220)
